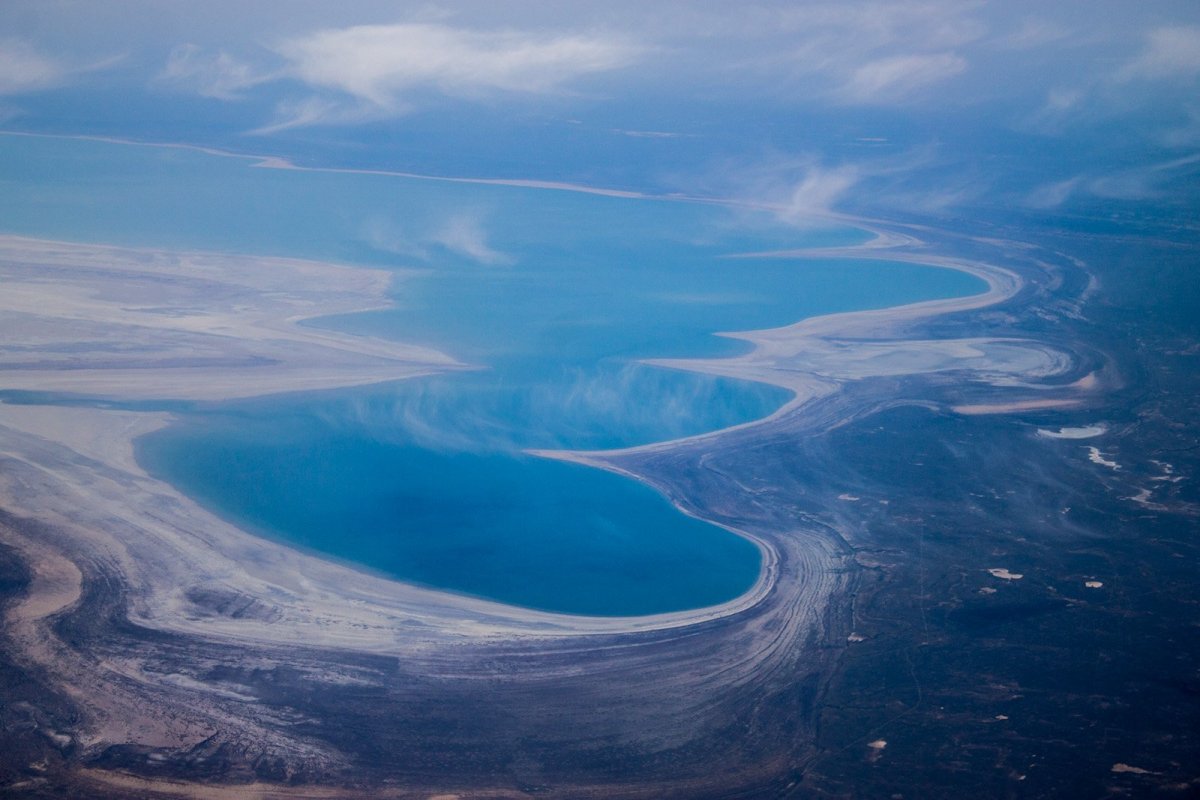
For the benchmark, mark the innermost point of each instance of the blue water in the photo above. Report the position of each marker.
(552, 296)
(530, 531)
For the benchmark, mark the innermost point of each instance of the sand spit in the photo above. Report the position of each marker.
(816, 357)
(278, 162)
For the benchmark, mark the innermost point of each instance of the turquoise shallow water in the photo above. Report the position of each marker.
(553, 295)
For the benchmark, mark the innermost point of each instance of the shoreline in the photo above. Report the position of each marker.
(769, 345)
(106, 436)
(765, 344)
(157, 568)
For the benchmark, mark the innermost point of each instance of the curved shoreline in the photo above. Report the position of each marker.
(155, 567)
(805, 387)
(1003, 284)
(768, 345)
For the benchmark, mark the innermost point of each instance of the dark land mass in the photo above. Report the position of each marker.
(1046, 687)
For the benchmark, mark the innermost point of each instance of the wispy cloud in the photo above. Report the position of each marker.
(871, 53)
(1169, 53)
(896, 77)
(818, 191)
(807, 189)
(797, 189)
(370, 72)
(650, 134)
(1186, 133)
(1160, 70)
(381, 64)
(1135, 183)
(1054, 194)
(24, 69)
(463, 234)
(1139, 183)
(1062, 107)
(386, 236)
(318, 110)
(1032, 33)
(218, 75)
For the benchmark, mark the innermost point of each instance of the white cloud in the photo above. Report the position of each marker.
(817, 192)
(1135, 183)
(1186, 133)
(463, 234)
(1053, 195)
(1062, 108)
(24, 69)
(924, 25)
(896, 77)
(218, 75)
(1060, 100)
(806, 189)
(650, 134)
(314, 110)
(862, 53)
(384, 235)
(1032, 33)
(797, 189)
(1169, 53)
(379, 64)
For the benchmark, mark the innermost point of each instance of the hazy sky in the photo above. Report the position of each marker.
(918, 104)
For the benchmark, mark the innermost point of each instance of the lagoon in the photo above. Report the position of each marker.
(551, 297)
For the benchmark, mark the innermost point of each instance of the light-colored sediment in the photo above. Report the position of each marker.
(263, 791)
(1127, 769)
(278, 162)
(1097, 457)
(1016, 406)
(116, 322)
(171, 544)
(1081, 432)
(79, 505)
(1004, 575)
(815, 357)
(112, 321)
(138, 324)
